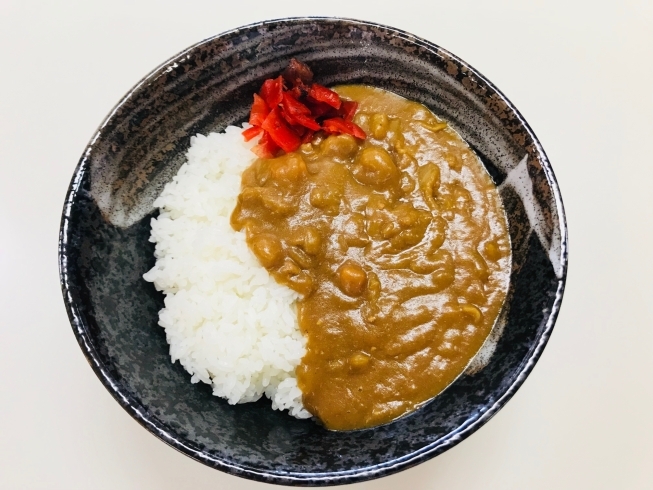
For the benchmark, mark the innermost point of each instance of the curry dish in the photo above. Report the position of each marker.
(399, 247)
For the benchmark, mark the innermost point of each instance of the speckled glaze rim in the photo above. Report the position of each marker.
(79, 324)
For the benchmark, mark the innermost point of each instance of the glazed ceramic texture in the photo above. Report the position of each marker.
(104, 248)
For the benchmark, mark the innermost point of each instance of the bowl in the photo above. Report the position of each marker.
(104, 248)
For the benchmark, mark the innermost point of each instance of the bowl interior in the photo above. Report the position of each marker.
(104, 248)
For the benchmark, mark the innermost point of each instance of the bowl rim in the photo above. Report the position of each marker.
(141, 414)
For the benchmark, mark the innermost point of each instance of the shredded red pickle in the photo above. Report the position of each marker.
(290, 109)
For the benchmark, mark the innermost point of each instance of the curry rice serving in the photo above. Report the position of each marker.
(394, 251)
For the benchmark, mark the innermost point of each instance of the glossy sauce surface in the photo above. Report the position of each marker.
(399, 246)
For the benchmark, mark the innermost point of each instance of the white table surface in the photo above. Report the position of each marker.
(581, 72)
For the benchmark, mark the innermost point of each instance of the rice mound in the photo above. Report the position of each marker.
(227, 321)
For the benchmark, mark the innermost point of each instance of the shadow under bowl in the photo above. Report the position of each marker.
(104, 248)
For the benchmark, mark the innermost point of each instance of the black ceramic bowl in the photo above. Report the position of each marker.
(104, 248)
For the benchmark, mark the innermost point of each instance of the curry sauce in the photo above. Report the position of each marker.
(399, 247)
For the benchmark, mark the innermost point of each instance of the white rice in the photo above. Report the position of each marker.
(227, 321)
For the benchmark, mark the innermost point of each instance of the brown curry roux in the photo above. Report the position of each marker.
(399, 246)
